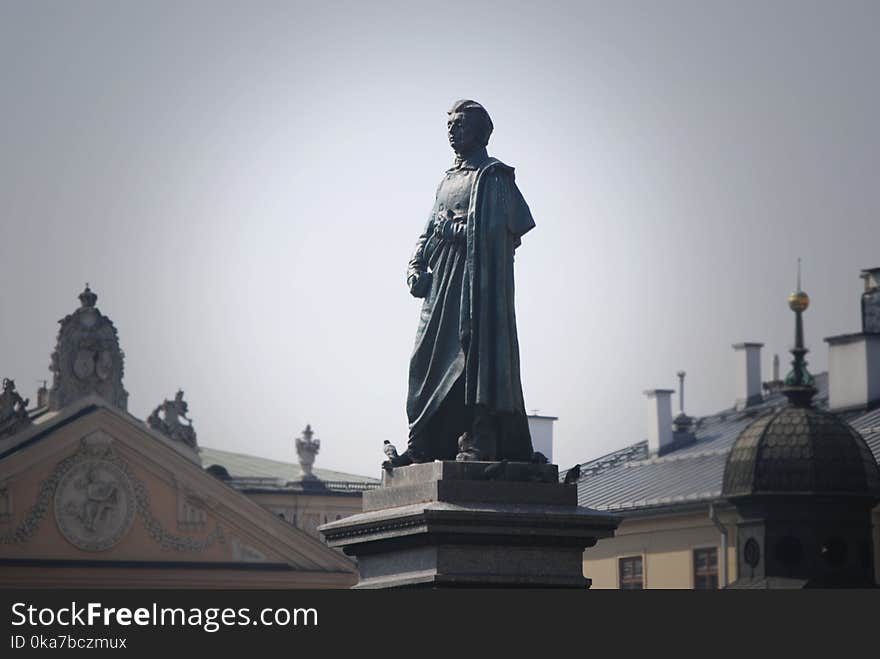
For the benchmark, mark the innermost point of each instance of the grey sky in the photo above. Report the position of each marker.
(242, 184)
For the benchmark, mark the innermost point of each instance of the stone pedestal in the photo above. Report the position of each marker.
(471, 524)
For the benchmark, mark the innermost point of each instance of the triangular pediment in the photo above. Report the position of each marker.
(92, 484)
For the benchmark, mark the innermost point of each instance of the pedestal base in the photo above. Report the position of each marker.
(477, 524)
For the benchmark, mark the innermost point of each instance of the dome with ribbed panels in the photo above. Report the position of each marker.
(800, 450)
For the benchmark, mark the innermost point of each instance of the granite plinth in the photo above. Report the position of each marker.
(477, 524)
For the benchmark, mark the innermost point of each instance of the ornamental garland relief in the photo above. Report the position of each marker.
(95, 496)
(94, 505)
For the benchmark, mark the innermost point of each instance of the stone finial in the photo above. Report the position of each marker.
(306, 449)
(87, 297)
(87, 359)
(13, 410)
(170, 419)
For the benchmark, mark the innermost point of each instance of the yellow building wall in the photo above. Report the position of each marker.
(308, 511)
(666, 545)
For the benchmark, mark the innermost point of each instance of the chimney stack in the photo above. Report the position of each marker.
(682, 423)
(659, 420)
(854, 359)
(43, 395)
(748, 374)
(541, 430)
(871, 301)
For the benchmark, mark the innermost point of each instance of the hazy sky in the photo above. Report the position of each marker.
(242, 185)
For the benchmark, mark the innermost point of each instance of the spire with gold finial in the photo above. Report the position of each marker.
(799, 386)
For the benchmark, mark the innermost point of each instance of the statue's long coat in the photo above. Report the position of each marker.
(467, 331)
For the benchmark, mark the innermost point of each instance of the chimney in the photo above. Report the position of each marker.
(682, 423)
(748, 374)
(659, 420)
(541, 430)
(854, 359)
(871, 301)
(43, 395)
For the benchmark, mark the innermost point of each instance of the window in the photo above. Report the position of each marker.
(706, 568)
(631, 573)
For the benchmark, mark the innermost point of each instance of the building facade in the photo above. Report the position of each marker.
(91, 496)
(678, 530)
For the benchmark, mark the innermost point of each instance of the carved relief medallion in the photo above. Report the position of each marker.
(94, 505)
(104, 365)
(84, 364)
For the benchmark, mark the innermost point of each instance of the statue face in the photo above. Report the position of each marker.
(463, 130)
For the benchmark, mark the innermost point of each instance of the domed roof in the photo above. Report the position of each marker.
(800, 449)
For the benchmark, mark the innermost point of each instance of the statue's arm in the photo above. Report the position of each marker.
(519, 217)
(502, 195)
(418, 279)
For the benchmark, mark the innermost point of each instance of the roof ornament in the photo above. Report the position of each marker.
(87, 297)
(799, 385)
(87, 359)
(173, 422)
(306, 449)
(13, 409)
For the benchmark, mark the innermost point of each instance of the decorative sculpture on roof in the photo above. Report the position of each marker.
(87, 358)
(307, 448)
(173, 422)
(13, 409)
(465, 397)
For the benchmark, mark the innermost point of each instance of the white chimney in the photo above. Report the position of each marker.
(853, 370)
(748, 374)
(659, 419)
(541, 430)
(854, 359)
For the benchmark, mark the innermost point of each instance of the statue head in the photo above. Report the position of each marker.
(468, 127)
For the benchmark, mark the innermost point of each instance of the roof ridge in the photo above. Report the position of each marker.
(672, 457)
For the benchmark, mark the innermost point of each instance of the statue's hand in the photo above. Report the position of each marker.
(451, 230)
(420, 285)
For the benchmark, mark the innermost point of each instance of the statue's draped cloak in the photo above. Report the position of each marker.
(467, 331)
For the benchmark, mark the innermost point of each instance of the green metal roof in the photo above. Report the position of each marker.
(251, 466)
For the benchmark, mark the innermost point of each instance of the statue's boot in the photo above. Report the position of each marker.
(411, 455)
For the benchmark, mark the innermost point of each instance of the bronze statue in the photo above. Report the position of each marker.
(465, 397)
